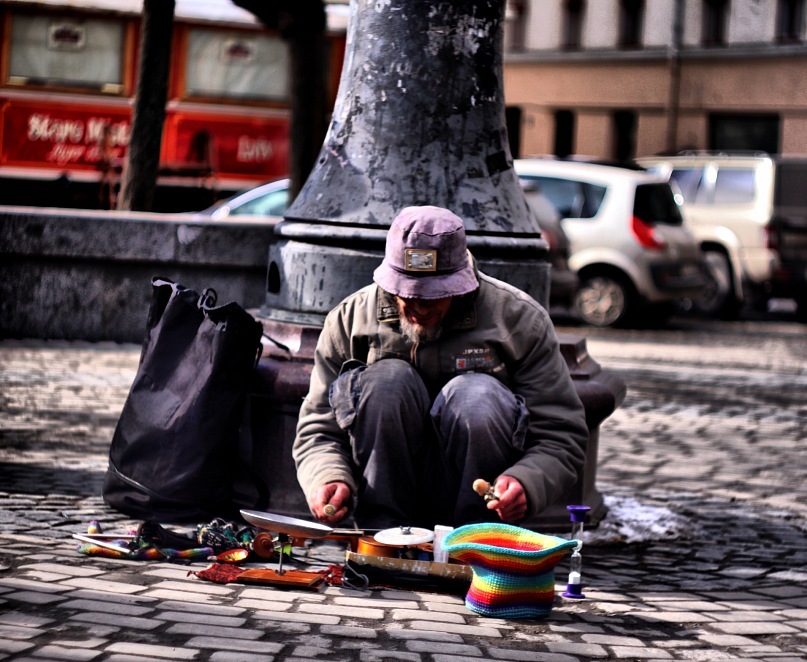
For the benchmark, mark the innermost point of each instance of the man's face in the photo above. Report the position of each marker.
(421, 319)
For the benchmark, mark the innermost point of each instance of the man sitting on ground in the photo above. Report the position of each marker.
(433, 376)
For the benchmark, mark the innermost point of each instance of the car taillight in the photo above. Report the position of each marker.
(647, 235)
(551, 239)
(771, 238)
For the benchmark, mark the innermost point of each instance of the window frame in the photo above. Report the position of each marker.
(128, 45)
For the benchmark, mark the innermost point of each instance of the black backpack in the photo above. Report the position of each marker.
(174, 452)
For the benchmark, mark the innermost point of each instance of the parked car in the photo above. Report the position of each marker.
(635, 259)
(749, 213)
(272, 199)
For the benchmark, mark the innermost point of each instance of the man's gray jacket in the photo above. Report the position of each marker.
(498, 330)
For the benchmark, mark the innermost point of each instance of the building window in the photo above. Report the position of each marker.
(573, 11)
(515, 26)
(789, 20)
(56, 51)
(624, 135)
(236, 66)
(715, 17)
(744, 132)
(631, 22)
(564, 133)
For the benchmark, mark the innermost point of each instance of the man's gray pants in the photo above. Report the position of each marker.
(417, 459)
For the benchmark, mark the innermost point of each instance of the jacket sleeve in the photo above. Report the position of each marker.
(321, 448)
(557, 434)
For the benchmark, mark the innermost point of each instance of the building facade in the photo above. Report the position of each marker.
(618, 79)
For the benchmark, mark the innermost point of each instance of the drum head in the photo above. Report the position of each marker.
(288, 525)
(404, 536)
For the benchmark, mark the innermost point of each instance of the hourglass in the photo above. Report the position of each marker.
(574, 588)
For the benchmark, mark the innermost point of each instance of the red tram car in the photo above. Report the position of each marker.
(67, 78)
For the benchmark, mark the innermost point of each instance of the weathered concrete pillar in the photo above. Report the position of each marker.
(419, 119)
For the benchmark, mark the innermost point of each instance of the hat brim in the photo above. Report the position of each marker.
(405, 286)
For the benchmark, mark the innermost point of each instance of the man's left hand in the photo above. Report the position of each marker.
(511, 501)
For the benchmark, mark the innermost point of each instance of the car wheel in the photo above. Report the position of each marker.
(718, 298)
(602, 300)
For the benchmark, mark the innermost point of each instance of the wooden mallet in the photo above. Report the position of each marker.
(484, 489)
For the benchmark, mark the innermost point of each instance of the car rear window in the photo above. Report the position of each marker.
(655, 203)
(735, 186)
(572, 198)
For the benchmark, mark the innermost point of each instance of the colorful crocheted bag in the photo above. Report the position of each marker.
(513, 568)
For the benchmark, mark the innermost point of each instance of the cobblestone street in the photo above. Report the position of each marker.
(701, 557)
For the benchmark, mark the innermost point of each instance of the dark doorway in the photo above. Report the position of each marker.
(744, 132)
(624, 135)
(564, 133)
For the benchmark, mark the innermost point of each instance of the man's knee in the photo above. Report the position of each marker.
(393, 379)
(477, 401)
(386, 388)
(475, 394)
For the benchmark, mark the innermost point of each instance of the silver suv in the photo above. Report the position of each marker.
(749, 213)
(635, 259)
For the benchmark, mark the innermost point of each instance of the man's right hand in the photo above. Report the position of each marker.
(336, 495)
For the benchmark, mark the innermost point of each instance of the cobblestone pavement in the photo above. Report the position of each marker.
(702, 556)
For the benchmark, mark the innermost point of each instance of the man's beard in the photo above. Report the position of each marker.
(417, 334)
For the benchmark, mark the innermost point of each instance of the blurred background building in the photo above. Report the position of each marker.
(618, 79)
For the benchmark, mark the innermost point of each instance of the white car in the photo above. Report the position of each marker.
(749, 213)
(270, 199)
(635, 258)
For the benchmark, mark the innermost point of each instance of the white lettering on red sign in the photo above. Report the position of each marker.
(46, 129)
(63, 154)
(254, 150)
(117, 133)
(73, 141)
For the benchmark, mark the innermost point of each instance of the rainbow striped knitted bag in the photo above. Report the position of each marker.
(513, 568)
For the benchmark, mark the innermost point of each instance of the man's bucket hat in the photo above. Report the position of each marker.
(426, 256)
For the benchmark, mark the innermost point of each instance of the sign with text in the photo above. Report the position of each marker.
(62, 137)
(65, 136)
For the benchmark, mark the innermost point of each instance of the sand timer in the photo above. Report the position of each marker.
(574, 588)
